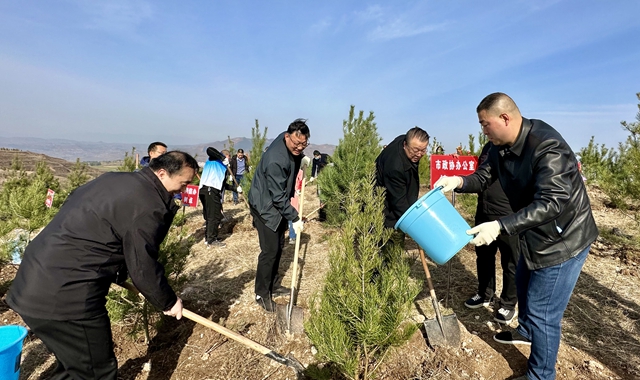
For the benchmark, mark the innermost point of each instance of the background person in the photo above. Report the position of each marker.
(539, 174)
(212, 183)
(270, 205)
(239, 165)
(320, 160)
(492, 205)
(397, 173)
(154, 150)
(99, 234)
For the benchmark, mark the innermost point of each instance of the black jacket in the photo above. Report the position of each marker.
(319, 164)
(493, 202)
(273, 185)
(111, 224)
(399, 177)
(539, 175)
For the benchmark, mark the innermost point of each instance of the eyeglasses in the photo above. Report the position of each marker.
(299, 144)
(415, 150)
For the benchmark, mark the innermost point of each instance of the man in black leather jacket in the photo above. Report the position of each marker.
(107, 227)
(552, 216)
(272, 187)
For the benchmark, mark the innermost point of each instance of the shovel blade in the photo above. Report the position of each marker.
(451, 328)
(296, 326)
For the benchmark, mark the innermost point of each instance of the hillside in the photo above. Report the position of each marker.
(99, 151)
(60, 167)
(601, 327)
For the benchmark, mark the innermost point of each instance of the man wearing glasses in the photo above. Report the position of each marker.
(270, 203)
(397, 173)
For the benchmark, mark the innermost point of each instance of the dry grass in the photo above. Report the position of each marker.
(600, 334)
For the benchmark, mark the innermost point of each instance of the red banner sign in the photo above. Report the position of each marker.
(190, 197)
(49, 201)
(451, 165)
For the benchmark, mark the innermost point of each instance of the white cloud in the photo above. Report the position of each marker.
(120, 17)
(389, 24)
(400, 28)
(373, 12)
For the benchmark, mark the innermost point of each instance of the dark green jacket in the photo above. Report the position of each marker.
(273, 185)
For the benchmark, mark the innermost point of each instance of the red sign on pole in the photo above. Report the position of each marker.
(49, 201)
(451, 165)
(190, 197)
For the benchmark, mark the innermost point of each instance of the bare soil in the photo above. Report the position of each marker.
(601, 331)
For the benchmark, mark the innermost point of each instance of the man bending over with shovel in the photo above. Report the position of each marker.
(552, 216)
(270, 203)
(106, 228)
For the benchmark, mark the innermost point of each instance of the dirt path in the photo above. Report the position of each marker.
(600, 332)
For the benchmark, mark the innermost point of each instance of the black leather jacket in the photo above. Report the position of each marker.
(540, 176)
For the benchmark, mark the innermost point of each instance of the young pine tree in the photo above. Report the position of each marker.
(258, 141)
(129, 163)
(230, 146)
(353, 160)
(356, 319)
(78, 175)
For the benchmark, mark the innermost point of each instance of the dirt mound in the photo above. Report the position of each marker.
(601, 337)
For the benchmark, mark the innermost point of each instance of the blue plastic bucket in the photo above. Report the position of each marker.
(11, 338)
(436, 226)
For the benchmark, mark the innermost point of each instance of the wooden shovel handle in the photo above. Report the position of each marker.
(294, 274)
(225, 331)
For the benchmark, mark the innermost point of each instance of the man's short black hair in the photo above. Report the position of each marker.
(173, 162)
(299, 126)
(152, 147)
(240, 151)
(316, 152)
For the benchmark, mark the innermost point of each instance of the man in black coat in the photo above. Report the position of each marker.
(272, 187)
(397, 173)
(106, 228)
(492, 205)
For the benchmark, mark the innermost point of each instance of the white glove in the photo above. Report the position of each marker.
(311, 180)
(486, 233)
(298, 226)
(239, 189)
(226, 162)
(448, 183)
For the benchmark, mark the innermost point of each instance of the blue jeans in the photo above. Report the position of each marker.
(543, 295)
(292, 232)
(235, 195)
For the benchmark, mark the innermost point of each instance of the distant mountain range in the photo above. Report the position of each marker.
(70, 150)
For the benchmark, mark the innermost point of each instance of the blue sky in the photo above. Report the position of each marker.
(196, 71)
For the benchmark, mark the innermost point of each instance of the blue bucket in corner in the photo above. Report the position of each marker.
(11, 338)
(436, 226)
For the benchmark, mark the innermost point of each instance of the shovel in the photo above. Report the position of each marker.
(288, 360)
(290, 319)
(444, 331)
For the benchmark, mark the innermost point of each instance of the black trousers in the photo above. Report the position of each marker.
(271, 245)
(212, 211)
(486, 266)
(83, 348)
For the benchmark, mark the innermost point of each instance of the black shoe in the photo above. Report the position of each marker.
(215, 244)
(511, 337)
(476, 302)
(504, 316)
(266, 303)
(281, 291)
